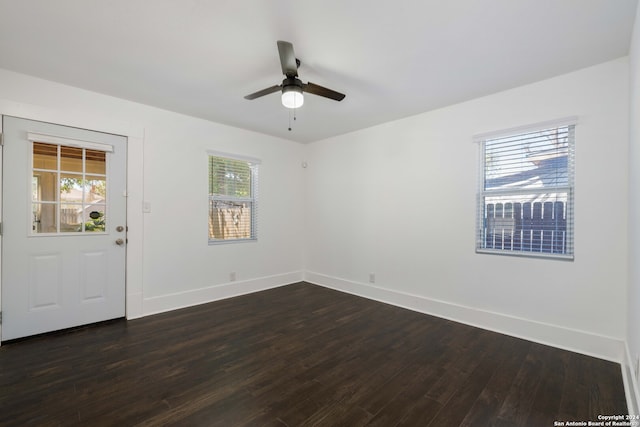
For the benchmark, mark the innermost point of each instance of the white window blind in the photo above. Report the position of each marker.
(233, 207)
(525, 197)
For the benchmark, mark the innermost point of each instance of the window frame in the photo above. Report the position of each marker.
(252, 200)
(568, 188)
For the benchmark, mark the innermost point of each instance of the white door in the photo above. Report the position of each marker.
(63, 227)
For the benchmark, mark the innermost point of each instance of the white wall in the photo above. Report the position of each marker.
(633, 322)
(170, 263)
(398, 200)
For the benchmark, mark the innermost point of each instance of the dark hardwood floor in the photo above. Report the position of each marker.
(298, 355)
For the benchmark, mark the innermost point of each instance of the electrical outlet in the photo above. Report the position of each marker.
(372, 277)
(232, 276)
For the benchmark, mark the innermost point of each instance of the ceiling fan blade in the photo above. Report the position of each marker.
(322, 91)
(263, 92)
(287, 59)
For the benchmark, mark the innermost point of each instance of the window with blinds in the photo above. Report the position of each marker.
(525, 197)
(233, 208)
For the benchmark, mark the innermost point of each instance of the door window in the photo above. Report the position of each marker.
(69, 189)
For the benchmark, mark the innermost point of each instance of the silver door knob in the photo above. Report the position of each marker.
(119, 242)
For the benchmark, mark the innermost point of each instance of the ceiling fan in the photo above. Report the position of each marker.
(292, 87)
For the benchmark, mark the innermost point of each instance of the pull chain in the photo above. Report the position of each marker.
(294, 117)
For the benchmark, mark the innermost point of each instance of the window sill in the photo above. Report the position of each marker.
(215, 242)
(560, 257)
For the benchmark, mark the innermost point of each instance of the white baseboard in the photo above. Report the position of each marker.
(190, 298)
(134, 305)
(565, 338)
(630, 382)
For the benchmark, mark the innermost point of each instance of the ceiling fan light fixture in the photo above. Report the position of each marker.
(292, 96)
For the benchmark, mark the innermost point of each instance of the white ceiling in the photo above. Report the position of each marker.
(392, 58)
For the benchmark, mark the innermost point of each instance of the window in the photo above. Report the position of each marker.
(525, 197)
(233, 183)
(68, 189)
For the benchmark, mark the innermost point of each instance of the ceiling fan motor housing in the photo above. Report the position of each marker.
(290, 82)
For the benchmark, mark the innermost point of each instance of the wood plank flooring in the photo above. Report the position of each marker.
(298, 355)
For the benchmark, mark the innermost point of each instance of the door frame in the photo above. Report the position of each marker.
(135, 186)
